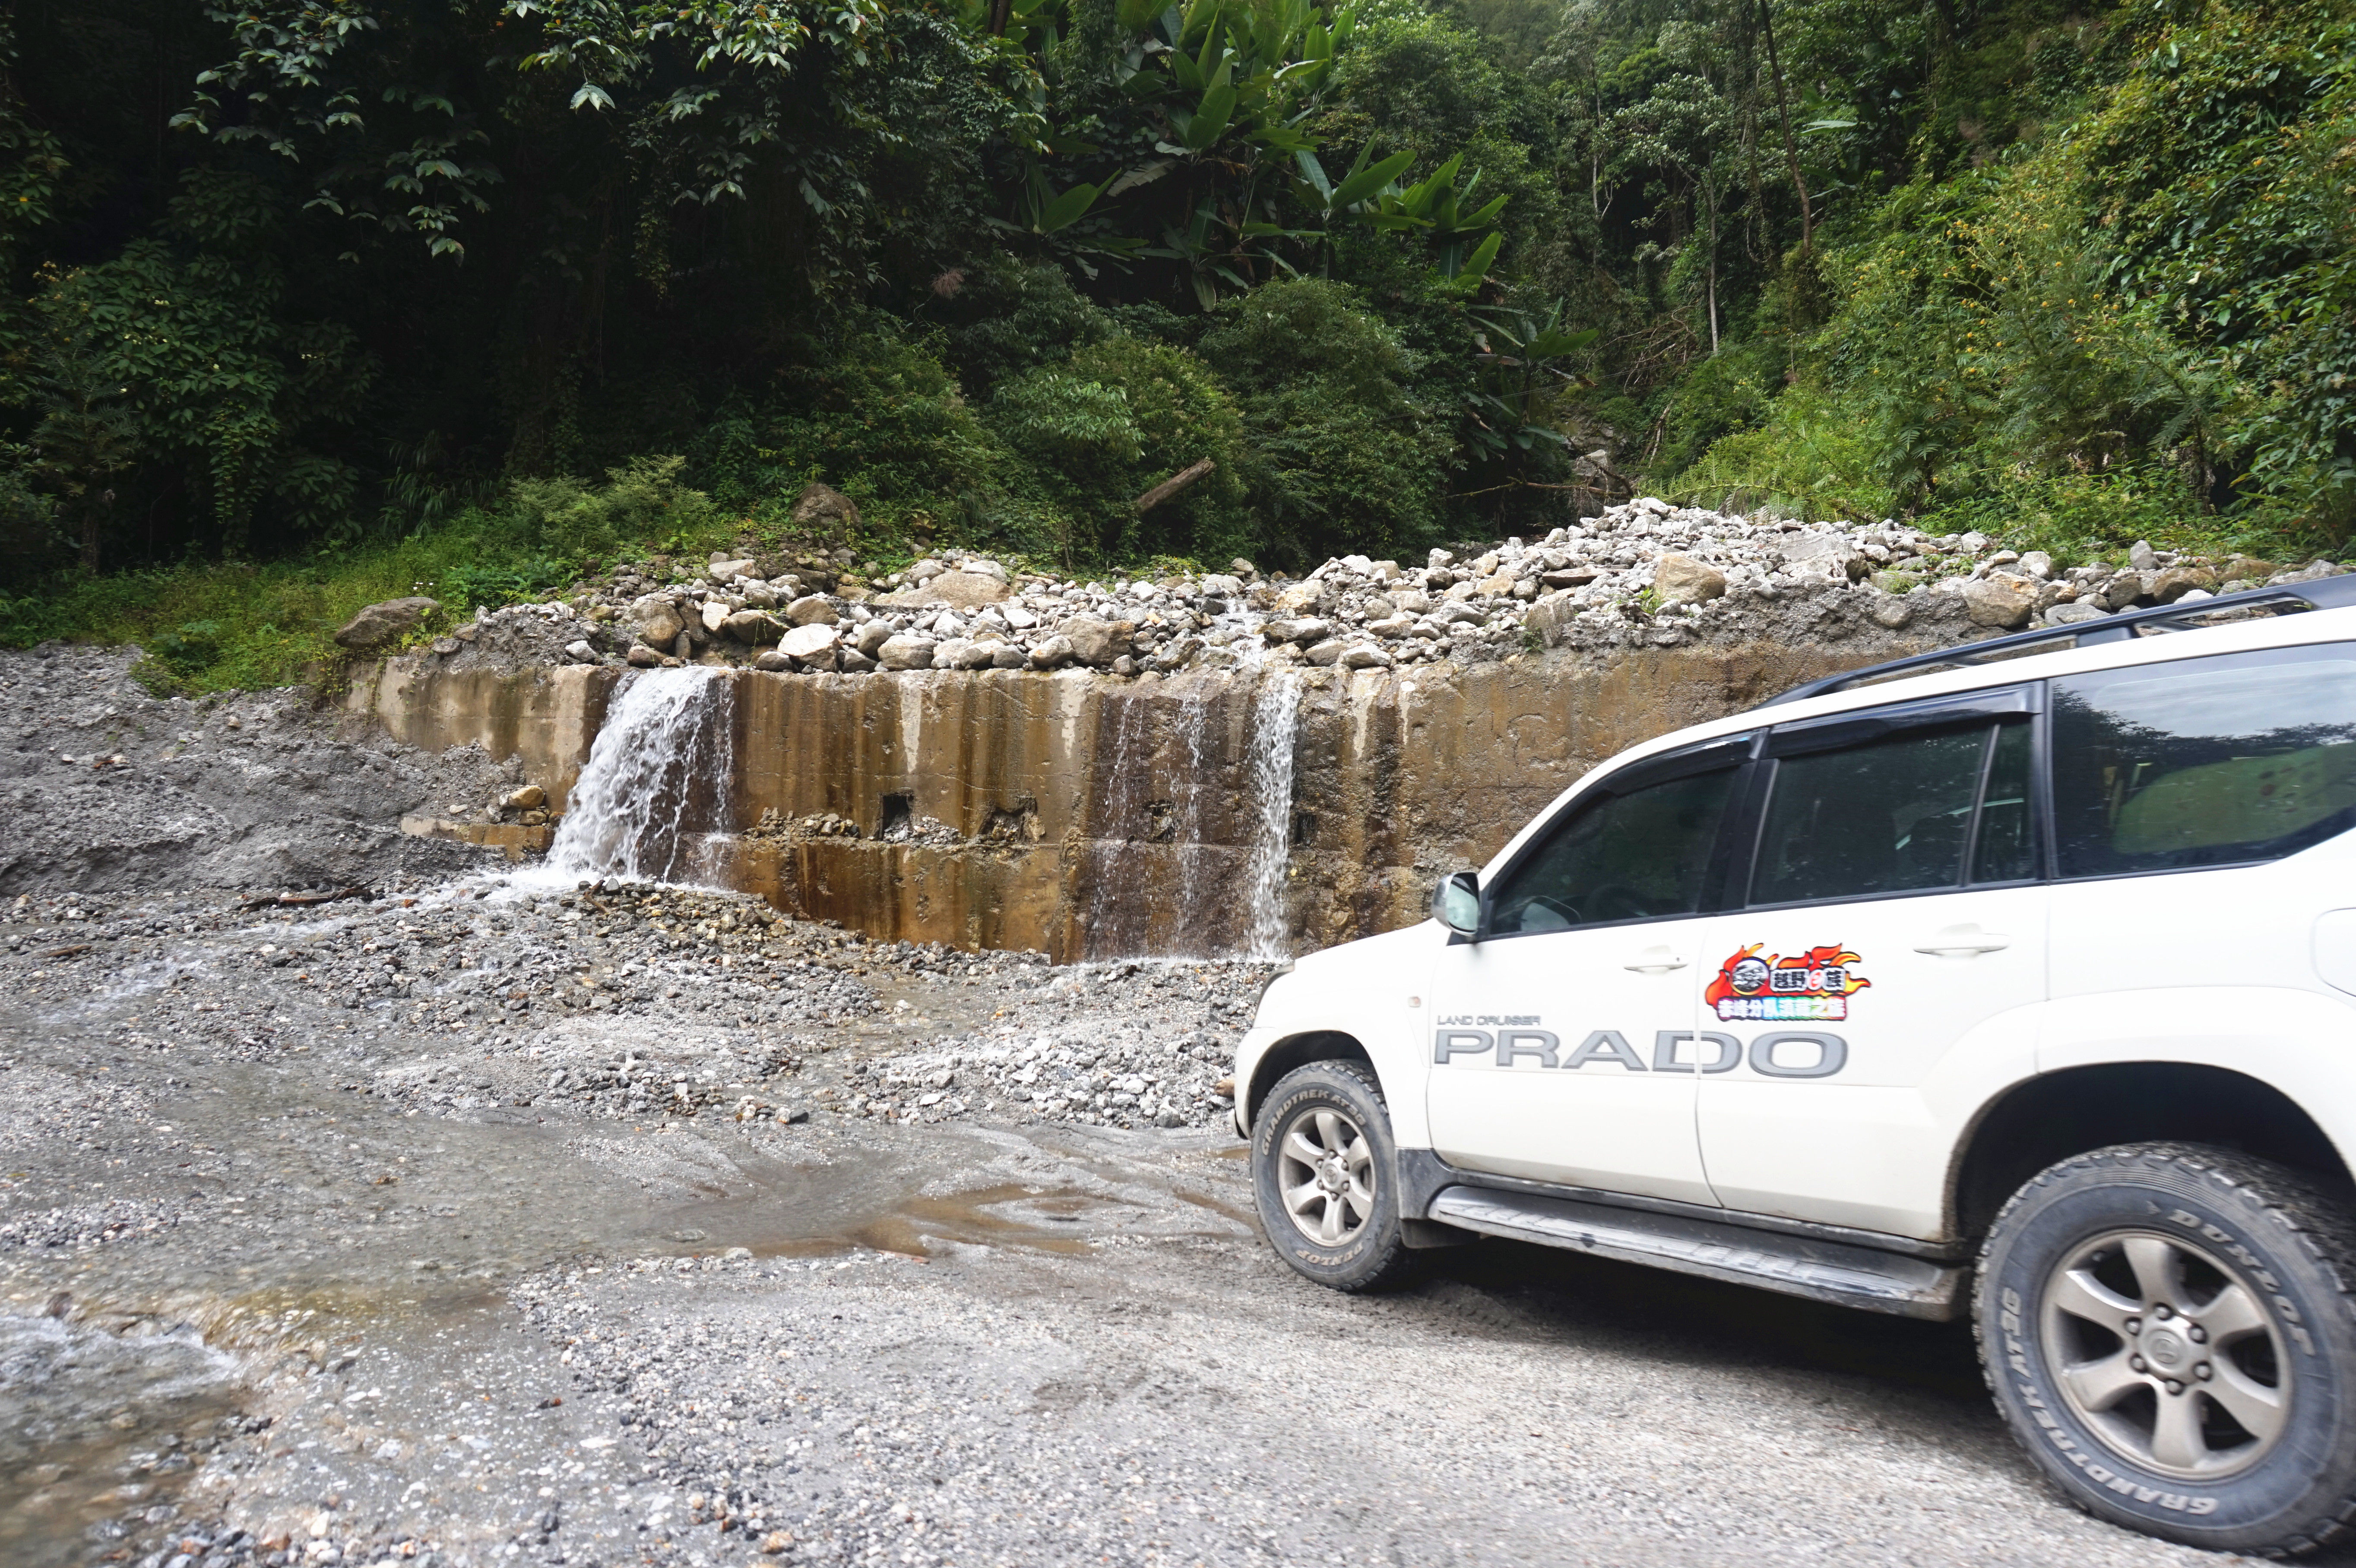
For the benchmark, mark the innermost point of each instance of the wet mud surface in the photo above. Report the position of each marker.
(399, 1250)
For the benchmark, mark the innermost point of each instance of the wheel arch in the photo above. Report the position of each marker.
(2055, 1114)
(1299, 1050)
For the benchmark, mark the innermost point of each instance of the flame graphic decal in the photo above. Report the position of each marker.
(1812, 985)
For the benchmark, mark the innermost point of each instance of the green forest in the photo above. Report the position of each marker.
(308, 299)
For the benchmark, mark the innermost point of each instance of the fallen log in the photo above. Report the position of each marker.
(1171, 485)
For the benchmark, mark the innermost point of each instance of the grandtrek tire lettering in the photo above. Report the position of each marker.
(2173, 1248)
(1665, 1052)
(1538, 1043)
(1451, 1042)
(1606, 1045)
(1832, 1054)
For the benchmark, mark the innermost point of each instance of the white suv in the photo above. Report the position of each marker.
(2024, 987)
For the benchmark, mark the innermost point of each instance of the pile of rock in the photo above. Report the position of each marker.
(1643, 574)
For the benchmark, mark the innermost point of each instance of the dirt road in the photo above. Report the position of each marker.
(619, 1229)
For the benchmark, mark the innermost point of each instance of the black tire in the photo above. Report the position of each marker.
(1366, 1250)
(2170, 1332)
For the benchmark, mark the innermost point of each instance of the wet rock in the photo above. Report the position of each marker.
(1680, 580)
(2000, 600)
(385, 622)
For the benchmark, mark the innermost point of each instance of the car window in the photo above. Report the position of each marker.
(1896, 815)
(2005, 848)
(2203, 762)
(1619, 856)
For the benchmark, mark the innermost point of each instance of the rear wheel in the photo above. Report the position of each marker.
(2169, 1331)
(1323, 1172)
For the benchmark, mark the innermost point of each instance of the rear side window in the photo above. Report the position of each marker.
(2204, 761)
(1637, 856)
(1909, 814)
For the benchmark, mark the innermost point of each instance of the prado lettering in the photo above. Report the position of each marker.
(1710, 1052)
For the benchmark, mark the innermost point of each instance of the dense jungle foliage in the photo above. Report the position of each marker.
(337, 295)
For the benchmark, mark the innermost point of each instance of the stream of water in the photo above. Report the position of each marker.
(1274, 717)
(657, 785)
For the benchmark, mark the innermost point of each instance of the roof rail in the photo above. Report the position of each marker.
(2289, 598)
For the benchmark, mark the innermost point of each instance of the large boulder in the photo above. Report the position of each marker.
(906, 652)
(1307, 630)
(1681, 580)
(821, 505)
(754, 626)
(658, 621)
(2000, 600)
(1821, 552)
(384, 623)
(1096, 643)
(957, 590)
(809, 641)
(810, 609)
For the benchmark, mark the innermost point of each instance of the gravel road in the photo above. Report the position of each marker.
(476, 1225)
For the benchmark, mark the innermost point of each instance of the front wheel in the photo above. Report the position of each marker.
(2167, 1328)
(1324, 1171)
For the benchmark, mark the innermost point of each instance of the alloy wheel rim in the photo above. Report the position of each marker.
(2168, 1354)
(1325, 1172)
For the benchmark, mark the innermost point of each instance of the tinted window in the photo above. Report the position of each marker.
(1898, 816)
(1627, 856)
(2004, 847)
(2204, 761)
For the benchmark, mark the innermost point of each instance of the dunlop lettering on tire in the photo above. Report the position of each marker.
(2168, 1332)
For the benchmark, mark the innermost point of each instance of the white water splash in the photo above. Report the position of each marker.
(657, 783)
(1274, 718)
(1194, 732)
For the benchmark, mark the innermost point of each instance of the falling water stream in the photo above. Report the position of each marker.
(1274, 718)
(655, 786)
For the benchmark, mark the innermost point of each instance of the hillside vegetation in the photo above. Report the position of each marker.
(317, 301)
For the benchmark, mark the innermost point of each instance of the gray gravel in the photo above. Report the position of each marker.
(301, 1260)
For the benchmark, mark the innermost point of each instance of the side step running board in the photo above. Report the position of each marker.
(1822, 1271)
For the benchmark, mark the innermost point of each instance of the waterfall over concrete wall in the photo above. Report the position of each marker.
(657, 790)
(1086, 815)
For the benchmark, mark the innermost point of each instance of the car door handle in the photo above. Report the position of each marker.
(1656, 961)
(1964, 942)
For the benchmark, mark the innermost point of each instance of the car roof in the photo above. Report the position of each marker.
(2148, 639)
